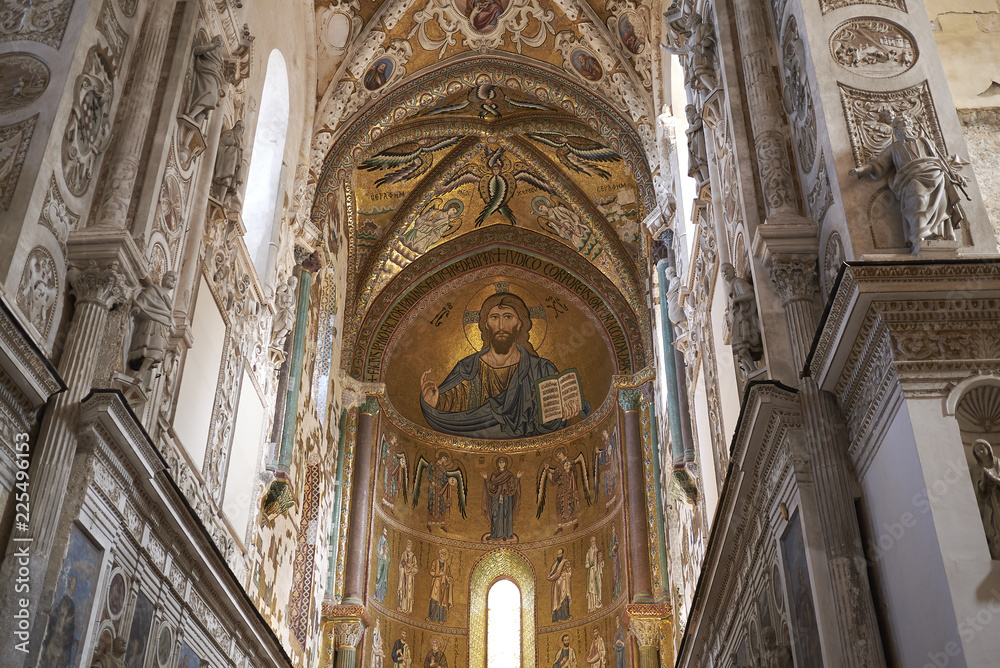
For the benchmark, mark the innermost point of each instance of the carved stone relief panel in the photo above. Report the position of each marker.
(833, 258)
(23, 79)
(115, 38)
(36, 294)
(873, 47)
(820, 197)
(88, 133)
(14, 140)
(796, 97)
(39, 22)
(128, 7)
(886, 220)
(830, 5)
(869, 117)
(56, 216)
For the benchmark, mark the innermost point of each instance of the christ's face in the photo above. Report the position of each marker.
(503, 327)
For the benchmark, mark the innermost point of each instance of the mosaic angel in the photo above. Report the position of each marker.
(443, 482)
(566, 474)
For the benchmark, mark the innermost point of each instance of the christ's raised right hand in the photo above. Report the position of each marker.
(428, 390)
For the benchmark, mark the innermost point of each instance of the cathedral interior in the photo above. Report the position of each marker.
(499, 333)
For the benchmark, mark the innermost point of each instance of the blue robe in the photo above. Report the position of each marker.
(510, 414)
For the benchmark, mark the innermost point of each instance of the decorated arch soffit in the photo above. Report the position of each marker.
(414, 170)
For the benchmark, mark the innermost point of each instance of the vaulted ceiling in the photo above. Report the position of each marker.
(443, 119)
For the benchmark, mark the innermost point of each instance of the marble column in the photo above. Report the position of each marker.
(135, 112)
(361, 492)
(638, 523)
(826, 441)
(346, 635)
(97, 290)
(646, 632)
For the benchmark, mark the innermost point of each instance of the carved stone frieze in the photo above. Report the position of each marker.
(39, 22)
(833, 258)
(873, 47)
(775, 172)
(115, 37)
(820, 197)
(830, 5)
(14, 141)
(39, 287)
(88, 133)
(796, 97)
(869, 117)
(25, 77)
(56, 216)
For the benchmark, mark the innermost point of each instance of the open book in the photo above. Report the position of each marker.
(556, 395)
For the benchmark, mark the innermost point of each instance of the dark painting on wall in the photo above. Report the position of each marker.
(803, 612)
(138, 637)
(187, 657)
(74, 596)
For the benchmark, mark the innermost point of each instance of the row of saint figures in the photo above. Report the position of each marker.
(600, 562)
(444, 483)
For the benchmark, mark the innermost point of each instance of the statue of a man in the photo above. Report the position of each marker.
(926, 185)
(776, 654)
(206, 89)
(153, 311)
(744, 323)
(284, 317)
(697, 154)
(674, 309)
(113, 659)
(228, 162)
(988, 493)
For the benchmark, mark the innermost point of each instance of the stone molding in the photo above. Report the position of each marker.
(152, 510)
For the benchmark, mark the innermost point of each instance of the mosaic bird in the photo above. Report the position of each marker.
(410, 160)
(497, 184)
(578, 153)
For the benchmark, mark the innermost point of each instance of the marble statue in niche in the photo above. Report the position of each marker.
(383, 555)
(594, 565)
(115, 658)
(378, 651)
(401, 656)
(566, 655)
(442, 595)
(284, 318)
(560, 575)
(408, 569)
(501, 498)
(492, 393)
(206, 88)
(597, 656)
(697, 153)
(675, 311)
(153, 314)
(566, 474)
(988, 493)
(776, 653)
(228, 163)
(744, 323)
(698, 52)
(927, 185)
(442, 483)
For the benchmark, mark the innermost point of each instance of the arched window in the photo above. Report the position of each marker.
(503, 625)
(264, 178)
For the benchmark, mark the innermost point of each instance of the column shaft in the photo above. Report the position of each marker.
(357, 533)
(638, 524)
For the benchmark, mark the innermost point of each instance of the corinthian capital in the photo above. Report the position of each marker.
(348, 633)
(101, 284)
(645, 631)
(794, 278)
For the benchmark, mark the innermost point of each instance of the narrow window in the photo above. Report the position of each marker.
(503, 625)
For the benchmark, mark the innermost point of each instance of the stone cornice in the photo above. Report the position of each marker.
(33, 379)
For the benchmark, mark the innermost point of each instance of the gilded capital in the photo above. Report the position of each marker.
(348, 633)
